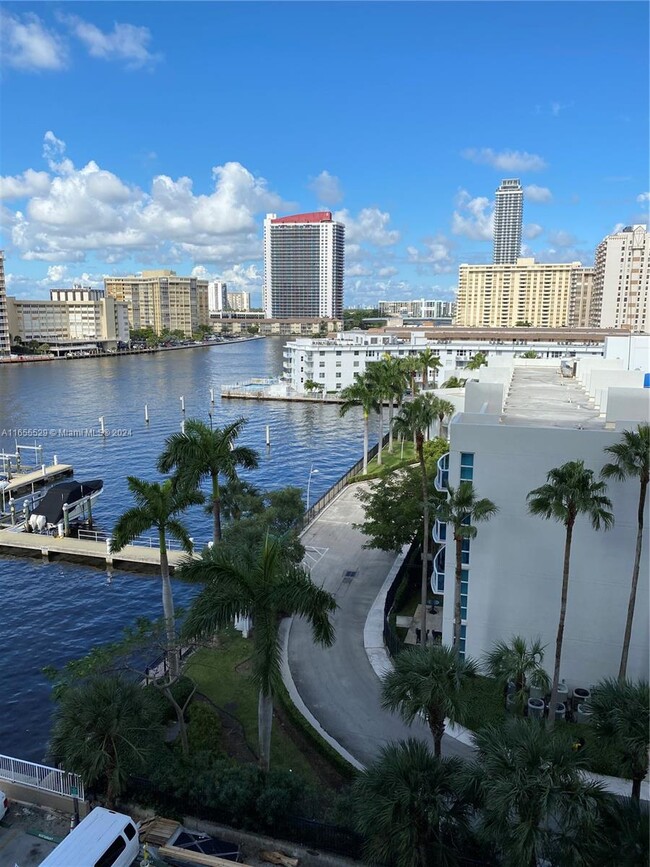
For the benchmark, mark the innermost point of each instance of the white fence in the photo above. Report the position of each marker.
(41, 777)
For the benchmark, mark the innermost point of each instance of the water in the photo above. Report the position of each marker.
(54, 612)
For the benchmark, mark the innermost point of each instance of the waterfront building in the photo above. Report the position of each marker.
(162, 300)
(508, 216)
(5, 334)
(622, 280)
(519, 422)
(503, 295)
(418, 308)
(239, 301)
(303, 266)
(580, 297)
(239, 322)
(217, 296)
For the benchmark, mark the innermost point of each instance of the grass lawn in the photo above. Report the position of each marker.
(389, 462)
(222, 674)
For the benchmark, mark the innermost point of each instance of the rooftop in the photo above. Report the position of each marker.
(542, 395)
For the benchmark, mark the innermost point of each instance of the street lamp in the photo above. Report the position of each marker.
(312, 472)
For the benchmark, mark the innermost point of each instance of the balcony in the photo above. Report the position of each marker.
(442, 476)
(439, 531)
(438, 576)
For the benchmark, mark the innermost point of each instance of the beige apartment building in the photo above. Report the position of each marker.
(162, 300)
(580, 300)
(5, 341)
(500, 296)
(238, 301)
(622, 280)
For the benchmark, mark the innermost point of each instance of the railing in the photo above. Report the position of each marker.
(142, 541)
(439, 531)
(41, 777)
(438, 576)
(442, 476)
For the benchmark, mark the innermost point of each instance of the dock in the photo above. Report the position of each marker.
(24, 483)
(132, 558)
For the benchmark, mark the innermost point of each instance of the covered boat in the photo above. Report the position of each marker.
(49, 512)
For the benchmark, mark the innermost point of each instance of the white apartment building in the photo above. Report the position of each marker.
(622, 280)
(512, 432)
(239, 302)
(303, 266)
(5, 334)
(508, 217)
(217, 296)
(503, 295)
(418, 308)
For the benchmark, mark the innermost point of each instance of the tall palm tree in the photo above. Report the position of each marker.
(429, 681)
(428, 360)
(622, 837)
(410, 808)
(414, 419)
(478, 360)
(398, 384)
(360, 393)
(531, 783)
(264, 588)
(520, 663)
(203, 453)
(621, 715)
(445, 409)
(631, 460)
(462, 509)
(158, 505)
(379, 380)
(409, 365)
(570, 491)
(103, 730)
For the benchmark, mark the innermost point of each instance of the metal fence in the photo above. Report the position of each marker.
(41, 777)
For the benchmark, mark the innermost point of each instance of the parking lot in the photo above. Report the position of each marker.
(19, 844)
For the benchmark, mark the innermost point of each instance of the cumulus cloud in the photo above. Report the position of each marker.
(436, 255)
(327, 188)
(370, 226)
(473, 217)
(532, 230)
(537, 194)
(560, 238)
(27, 44)
(643, 197)
(507, 160)
(125, 43)
(29, 183)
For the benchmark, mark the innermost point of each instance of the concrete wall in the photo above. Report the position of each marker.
(484, 397)
(585, 366)
(515, 569)
(39, 798)
(601, 380)
(628, 405)
(632, 350)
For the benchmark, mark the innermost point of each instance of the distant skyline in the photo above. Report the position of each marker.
(158, 135)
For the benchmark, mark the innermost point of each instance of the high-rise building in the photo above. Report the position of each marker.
(508, 214)
(217, 296)
(621, 280)
(239, 301)
(580, 299)
(303, 266)
(497, 296)
(162, 300)
(5, 339)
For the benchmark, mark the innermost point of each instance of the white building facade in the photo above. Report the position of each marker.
(418, 308)
(5, 335)
(217, 296)
(508, 217)
(622, 280)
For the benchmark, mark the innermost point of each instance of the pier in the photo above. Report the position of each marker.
(24, 483)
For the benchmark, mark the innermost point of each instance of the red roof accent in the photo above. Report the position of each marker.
(313, 217)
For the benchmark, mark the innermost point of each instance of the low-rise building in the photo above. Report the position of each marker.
(240, 322)
(418, 308)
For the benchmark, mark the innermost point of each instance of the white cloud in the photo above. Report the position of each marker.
(643, 197)
(436, 255)
(370, 226)
(557, 107)
(327, 188)
(474, 217)
(27, 44)
(29, 183)
(532, 230)
(508, 160)
(560, 238)
(387, 271)
(124, 43)
(537, 194)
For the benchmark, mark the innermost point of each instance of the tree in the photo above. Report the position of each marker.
(631, 460)
(360, 393)
(240, 499)
(203, 453)
(410, 808)
(380, 382)
(531, 786)
(529, 353)
(454, 382)
(158, 505)
(428, 360)
(622, 837)
(621, 715)
(570, 490)
(103, 730)
(478, 360)
(410, 367)
(520, 663)
(462, 509)
(264, 587)
(429, 681)
(310, 386)
(415, 417)
(444, 408)
(398, 382)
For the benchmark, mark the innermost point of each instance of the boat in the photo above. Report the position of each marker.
(49, 512)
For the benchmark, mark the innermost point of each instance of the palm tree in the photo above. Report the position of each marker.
(621, 715)
(530, 783)
(462, 509)
(478, 360)
(379, 380)
(445, 408)
(158, 505)
(415, 417)
(570, 490)
(454, 382)
(520, 663)
(410, 809)
(622, 837)
(204, 453)
(428, 360)
(409, 365)
(398, 383)
(360, 393)
(103, 730)
(429, 681)
(631, 459)
(264, 588)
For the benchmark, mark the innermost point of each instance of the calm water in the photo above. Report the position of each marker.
(53, 612)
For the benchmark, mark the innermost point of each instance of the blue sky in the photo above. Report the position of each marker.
(142, 135)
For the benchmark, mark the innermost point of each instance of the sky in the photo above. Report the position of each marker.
(158, 135)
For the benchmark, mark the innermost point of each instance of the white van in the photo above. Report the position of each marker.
(103, 839)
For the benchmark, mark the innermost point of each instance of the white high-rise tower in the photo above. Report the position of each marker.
(4, 316)
(508, 213)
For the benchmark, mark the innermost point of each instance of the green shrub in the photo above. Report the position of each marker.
(204, 729)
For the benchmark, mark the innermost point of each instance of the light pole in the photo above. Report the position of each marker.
(312, 472)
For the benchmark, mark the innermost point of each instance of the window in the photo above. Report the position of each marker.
(129, 831)
(110, 855)
(466, 467)
(338, 375)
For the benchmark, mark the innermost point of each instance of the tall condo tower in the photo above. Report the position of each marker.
(508, 213)
(4, 316)
(303, 266)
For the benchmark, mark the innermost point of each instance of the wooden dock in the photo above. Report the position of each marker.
(132, 558)
(24, 483)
